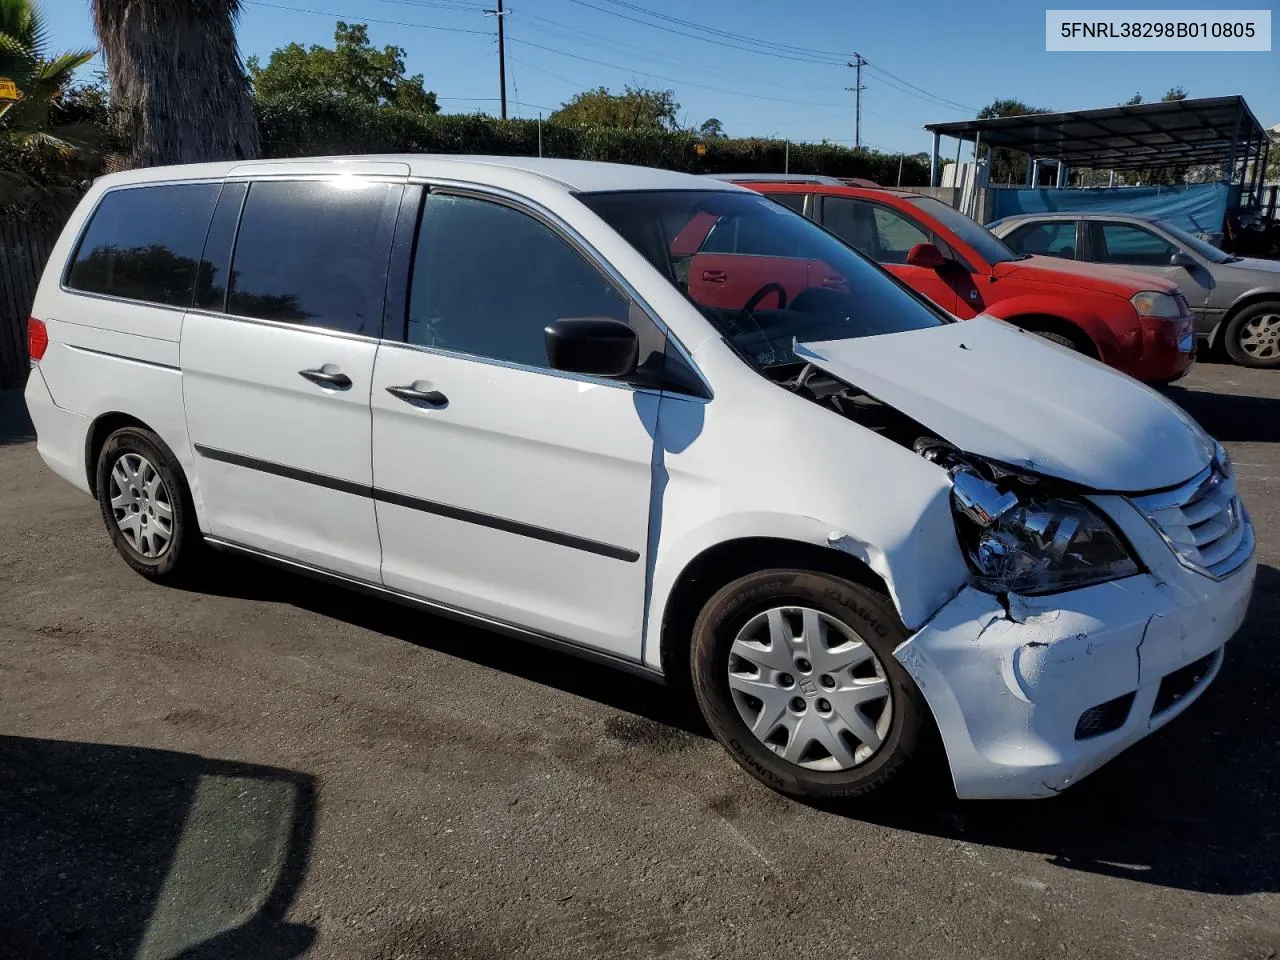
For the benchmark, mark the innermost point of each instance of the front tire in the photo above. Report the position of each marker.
(146, 505)
(1252, 337)
(795, 675)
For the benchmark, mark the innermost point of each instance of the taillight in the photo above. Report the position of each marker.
(37, 339)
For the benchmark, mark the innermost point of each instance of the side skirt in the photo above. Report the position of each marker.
(454, 613)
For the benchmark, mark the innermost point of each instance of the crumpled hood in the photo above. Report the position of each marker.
(999, 392)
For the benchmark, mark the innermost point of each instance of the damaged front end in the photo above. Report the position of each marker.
(1076, 633)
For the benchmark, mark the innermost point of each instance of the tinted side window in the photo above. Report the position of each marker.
(884, 235)
(793, 200)
(144, 243)
(487, 279)
(1125, 244)
(315, 252)
(1055, 239)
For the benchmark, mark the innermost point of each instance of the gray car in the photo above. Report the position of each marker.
(1236, 300)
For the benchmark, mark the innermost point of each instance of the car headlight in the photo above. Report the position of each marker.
(1150, 303)
(1034, 544)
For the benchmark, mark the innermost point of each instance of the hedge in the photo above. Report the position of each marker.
(326, 127)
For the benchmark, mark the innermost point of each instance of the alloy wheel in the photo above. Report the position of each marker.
(141, 505)
(1260, 336)
(810, 689)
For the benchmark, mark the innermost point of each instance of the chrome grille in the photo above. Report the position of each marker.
(1203, 521)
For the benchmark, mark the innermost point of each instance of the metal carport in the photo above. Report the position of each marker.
(1202, 131)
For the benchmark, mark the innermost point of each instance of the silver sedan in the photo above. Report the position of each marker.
(1236, 300)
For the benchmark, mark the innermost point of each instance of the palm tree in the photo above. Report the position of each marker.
(175, 69)
(40, 76)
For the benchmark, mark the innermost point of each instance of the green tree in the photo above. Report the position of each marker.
(636, 108)
(177, 79)
(1008, 166)
(1174, 93)
(40, 75)
(353, 69)
(712, 129)
(1133, 101)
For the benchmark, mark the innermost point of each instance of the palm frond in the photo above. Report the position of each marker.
(63, 65)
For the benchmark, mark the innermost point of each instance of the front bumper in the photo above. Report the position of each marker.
(1021, 694)
(1168, 349)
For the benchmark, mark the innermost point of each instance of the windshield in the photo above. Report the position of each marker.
(985, 243)
(762, 274)
(1202, 247)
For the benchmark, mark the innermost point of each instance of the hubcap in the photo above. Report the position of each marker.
(810, 689)
(141, 505)
(1260, 336)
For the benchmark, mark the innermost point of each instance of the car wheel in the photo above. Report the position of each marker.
(1252, 338)
(795, 675)
(146, 505)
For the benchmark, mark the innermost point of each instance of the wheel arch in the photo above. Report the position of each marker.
(1242, 303)
(1051, 323)
(102, 427)
(726, 561)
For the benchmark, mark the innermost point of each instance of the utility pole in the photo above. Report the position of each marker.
(857, 65)
(502, 56)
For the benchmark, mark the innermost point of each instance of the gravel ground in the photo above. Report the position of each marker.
(269, 768)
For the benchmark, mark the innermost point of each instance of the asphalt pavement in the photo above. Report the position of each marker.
(263, 768)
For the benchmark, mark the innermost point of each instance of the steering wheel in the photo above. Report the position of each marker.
(749, 307)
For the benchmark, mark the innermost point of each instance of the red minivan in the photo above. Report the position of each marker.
(1136, 323)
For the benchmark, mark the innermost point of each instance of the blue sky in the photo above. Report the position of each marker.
(931, 60)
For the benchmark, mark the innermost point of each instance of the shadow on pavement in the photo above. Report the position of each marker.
(1194, 807)
(123, 852)
(1230, 417)
(233, 576)
(15, 425)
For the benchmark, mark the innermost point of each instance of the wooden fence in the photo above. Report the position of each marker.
(25, 241)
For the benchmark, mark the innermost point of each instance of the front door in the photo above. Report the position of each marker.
(505, 488)
(1136, 248)
(277, 364)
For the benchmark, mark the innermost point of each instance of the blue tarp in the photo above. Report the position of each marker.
(1195, 207)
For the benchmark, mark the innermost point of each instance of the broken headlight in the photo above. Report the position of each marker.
(1032, 544)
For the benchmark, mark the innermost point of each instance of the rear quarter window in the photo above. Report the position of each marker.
(144, 243)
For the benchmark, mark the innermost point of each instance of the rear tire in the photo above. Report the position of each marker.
(1252, 337)
(825, 727)
(146, 505)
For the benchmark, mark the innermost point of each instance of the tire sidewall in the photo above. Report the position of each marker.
(145, 444)
(1231, 337)
(868, 614)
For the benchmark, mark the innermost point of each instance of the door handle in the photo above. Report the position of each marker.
(427, 398)
(328, 378)
(714, 276)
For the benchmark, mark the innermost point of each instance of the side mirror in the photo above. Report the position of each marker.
(926, 255)
(1182, 259)
(599, 346)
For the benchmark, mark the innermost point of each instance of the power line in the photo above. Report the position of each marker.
(361, 18)
(688, 83)
(564, 31)
(708, 35)
(919, 90)
(703, 28)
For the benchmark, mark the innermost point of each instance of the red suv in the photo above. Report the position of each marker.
(1137, 323)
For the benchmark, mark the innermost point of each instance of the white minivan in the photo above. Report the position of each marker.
(657, 420)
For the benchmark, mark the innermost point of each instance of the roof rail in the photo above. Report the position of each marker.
(776, 178)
